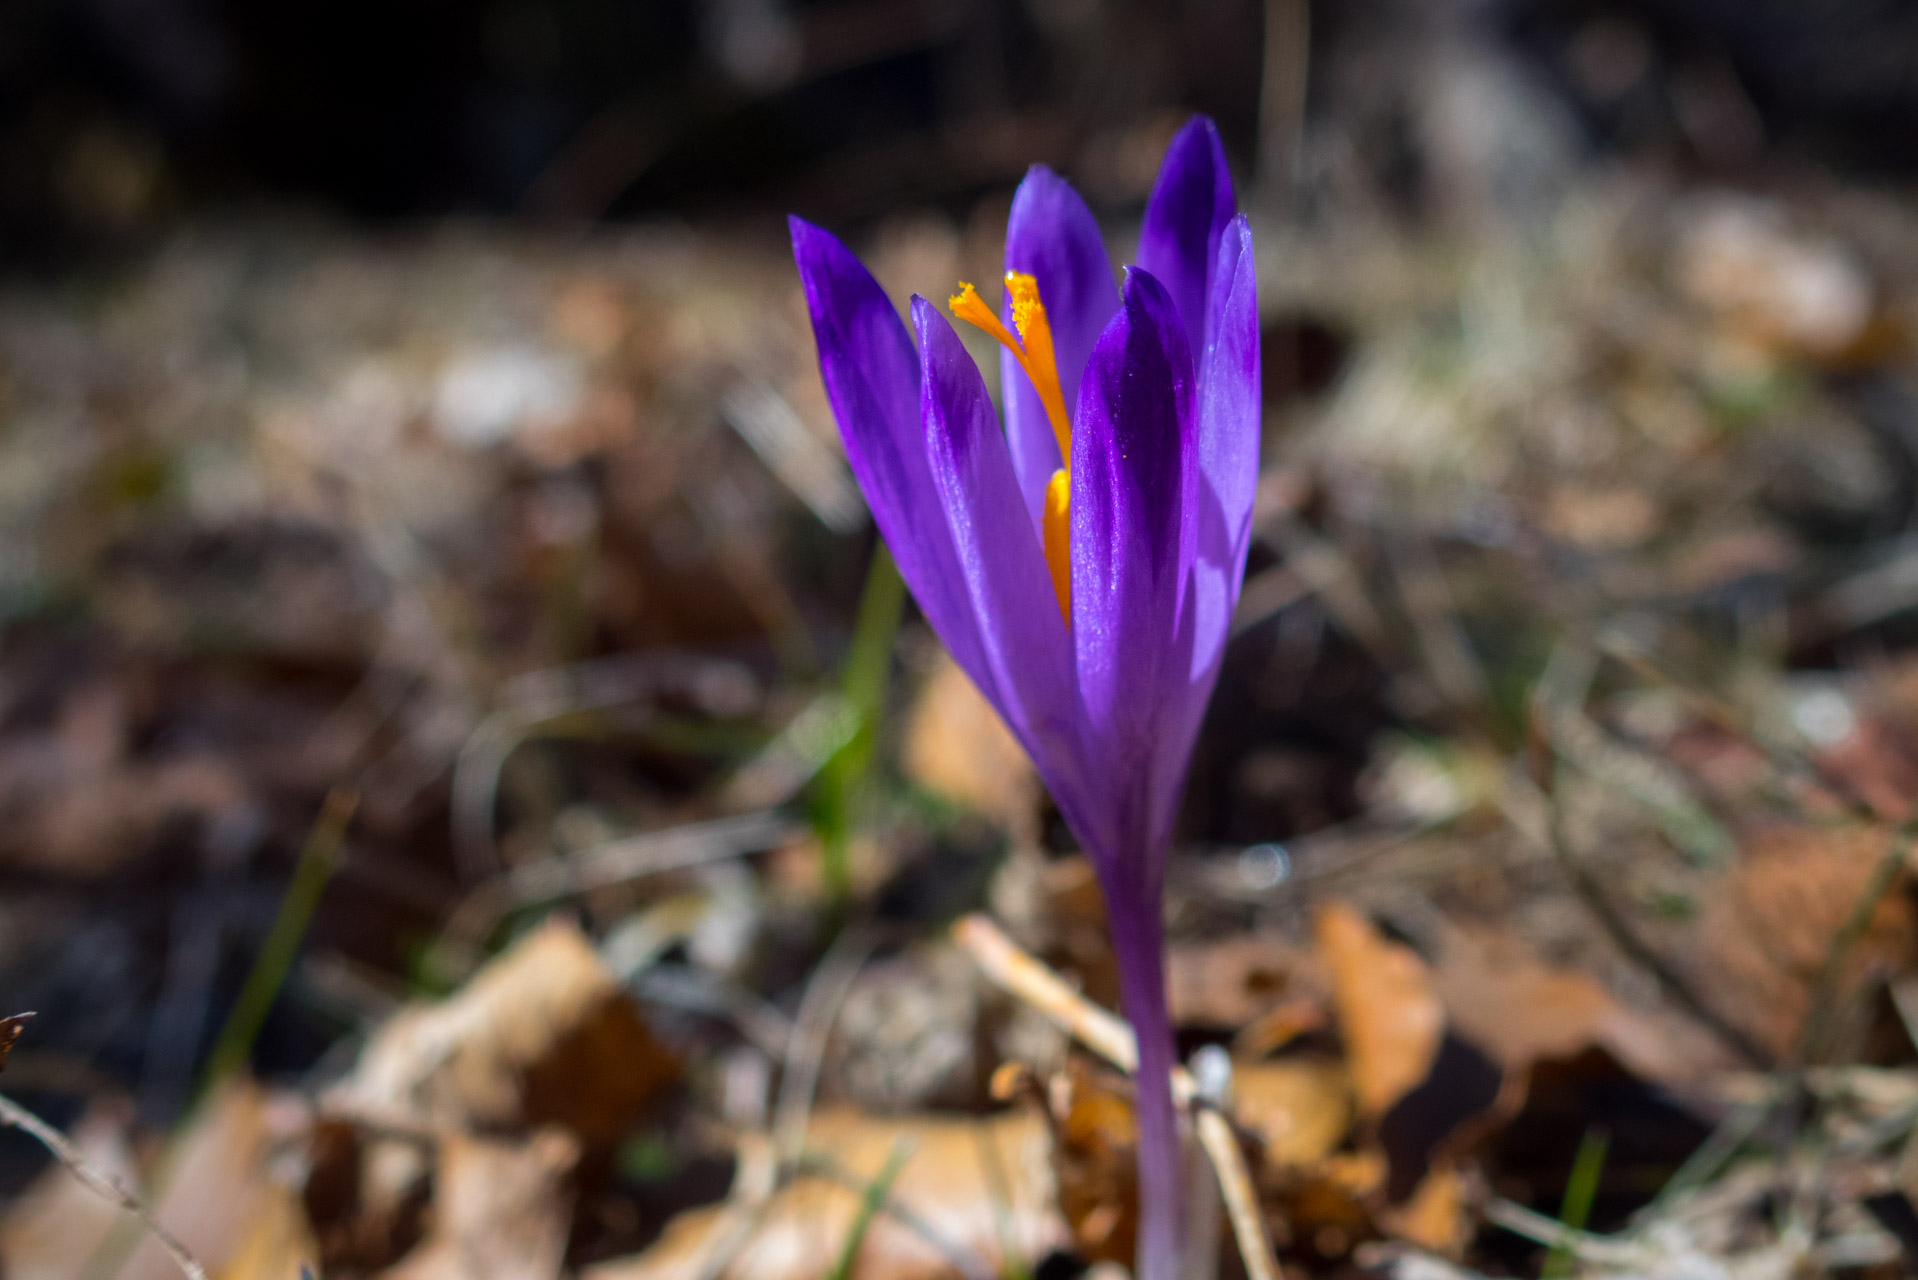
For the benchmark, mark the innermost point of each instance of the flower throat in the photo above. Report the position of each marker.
(1031, 346)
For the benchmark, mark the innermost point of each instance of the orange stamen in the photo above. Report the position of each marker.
(1058, 539)
(1032, 347)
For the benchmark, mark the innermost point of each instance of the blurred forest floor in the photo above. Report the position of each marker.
(476, 805)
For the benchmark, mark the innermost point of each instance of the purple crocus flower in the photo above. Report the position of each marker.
(1083, 564)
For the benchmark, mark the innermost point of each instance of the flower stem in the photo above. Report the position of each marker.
(1138, 932)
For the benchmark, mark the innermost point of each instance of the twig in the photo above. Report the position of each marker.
(103, 1184)
(1235, 1186)
(1111, 1038)
(1029, 978)
(1556, 1235)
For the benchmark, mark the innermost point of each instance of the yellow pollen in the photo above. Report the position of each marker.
(1058, 539)
(1031, 347)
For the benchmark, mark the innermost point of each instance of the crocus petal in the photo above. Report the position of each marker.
(1191, 204)
(1134, 480)
(1229, 393)
(1228, 458)
(1053, 237)
(872, 381)
(1024, 641)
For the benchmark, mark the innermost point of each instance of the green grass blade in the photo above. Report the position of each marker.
(870, 1204)
(868, 667)
(318, 859)
(1581, 1189)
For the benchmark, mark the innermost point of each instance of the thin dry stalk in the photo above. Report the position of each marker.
(806, 1048)
(103, 1184)
(754, 1182)
(692, 844)
(1107, 1035)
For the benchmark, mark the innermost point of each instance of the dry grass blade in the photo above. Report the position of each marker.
(108, 1187)
(616, 862)
(806, 1049)
(649, 854)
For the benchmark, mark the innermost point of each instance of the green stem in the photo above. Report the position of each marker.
(863, 686)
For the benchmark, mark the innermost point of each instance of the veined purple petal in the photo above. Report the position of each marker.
(872, 381)
(1053, 237)
(1229, 413)
(1191, 204)
(1135, 476)
(1023, 636)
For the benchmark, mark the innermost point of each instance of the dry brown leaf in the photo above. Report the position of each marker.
(1280, 1026)
(1300, 1108)
(501, 1210)
(1768, 928)
(1434, 1218)
(1878, 762)
(957, 747)
(1323, 1208)
(541, 1035)
(945, 1183)
(1095, 1140)
(278, 1241)
(1506, 1001)
(364, 1218)
(1233, 982)
(54, 1227)
(213, 1178)
(1389, 1014)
